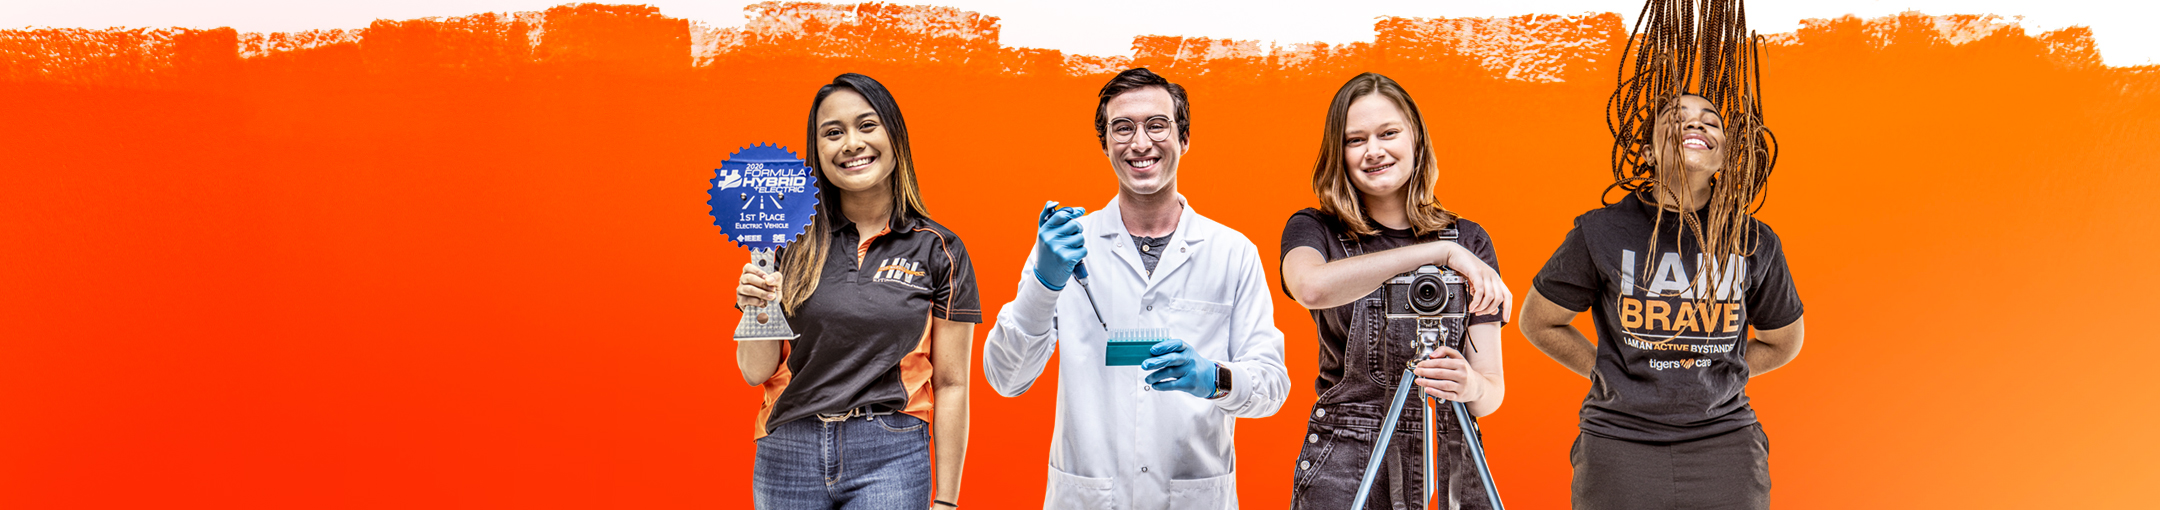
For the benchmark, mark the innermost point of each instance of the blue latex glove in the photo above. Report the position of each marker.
(1058, 244)
(1173, 367)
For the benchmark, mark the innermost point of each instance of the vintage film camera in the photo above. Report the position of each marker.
(1436, 297)
(1433, 296)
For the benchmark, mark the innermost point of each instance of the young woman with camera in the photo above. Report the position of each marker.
(885, 302)
(1378, 219)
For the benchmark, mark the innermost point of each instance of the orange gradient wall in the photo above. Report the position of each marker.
(466, 262)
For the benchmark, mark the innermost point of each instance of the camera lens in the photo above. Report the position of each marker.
(1428, 296)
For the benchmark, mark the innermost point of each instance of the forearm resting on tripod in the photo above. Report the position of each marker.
(1548, 326)
(1773, 348)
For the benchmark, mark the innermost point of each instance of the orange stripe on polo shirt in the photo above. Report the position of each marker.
(952, 267)
(863, 250)
(915, 375)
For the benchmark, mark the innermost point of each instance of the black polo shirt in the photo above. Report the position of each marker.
(865, 332)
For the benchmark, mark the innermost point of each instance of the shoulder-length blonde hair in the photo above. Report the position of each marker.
(1331, 172)
(804, 262)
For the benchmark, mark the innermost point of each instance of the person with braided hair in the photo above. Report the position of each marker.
(1675, 273)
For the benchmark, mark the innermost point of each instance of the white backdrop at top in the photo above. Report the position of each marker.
(2124, 30)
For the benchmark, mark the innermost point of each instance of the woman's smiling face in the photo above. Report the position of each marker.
(1700, 140)
(854, 150)
(1379, 145)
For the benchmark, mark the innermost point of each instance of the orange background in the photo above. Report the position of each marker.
(452, 263)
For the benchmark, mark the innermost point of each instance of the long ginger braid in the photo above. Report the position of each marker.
(1701, 48)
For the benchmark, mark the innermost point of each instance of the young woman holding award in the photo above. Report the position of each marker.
(884, 302)
(1379, 219)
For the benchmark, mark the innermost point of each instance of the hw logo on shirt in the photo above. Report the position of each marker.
(900, 270)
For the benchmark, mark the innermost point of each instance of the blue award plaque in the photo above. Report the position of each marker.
(762, 197)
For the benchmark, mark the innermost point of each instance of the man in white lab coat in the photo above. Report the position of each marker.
(1157, 435)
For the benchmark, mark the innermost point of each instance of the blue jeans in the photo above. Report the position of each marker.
(874, 463)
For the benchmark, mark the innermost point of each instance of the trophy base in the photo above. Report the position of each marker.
(767, 322)
(774, 328)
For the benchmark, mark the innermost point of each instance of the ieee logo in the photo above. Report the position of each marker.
(899, 270)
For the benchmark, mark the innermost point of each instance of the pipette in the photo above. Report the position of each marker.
(1080, 275)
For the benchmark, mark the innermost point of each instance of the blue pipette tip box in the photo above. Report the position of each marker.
(1129, 347)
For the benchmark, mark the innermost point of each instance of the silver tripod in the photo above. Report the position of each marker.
(1430, 330)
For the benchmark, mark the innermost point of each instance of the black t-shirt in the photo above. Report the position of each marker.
(1320, 231)
(869, 315)
(1667, 369)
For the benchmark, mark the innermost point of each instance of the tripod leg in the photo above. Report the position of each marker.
(1432, 449)
(1477, 452)
(1387, 431)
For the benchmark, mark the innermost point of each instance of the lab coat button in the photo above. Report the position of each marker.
(1143, 469)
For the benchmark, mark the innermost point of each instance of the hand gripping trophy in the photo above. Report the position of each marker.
(762, 197)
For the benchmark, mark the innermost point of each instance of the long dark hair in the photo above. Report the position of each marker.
(1697, 48)
(804, 261)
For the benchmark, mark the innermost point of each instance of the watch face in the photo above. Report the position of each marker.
(1222, 382)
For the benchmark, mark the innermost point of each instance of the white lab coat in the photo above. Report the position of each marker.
(1118, 444)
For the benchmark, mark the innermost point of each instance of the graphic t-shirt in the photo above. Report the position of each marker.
(865, 332)
(1320, 231)
(1670, 367)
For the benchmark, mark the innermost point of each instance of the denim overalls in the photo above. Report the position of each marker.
(1346, 419)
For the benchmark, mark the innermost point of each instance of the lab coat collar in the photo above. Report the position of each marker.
(1110, 226)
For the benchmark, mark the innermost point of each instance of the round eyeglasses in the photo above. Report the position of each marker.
(1158, 128)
